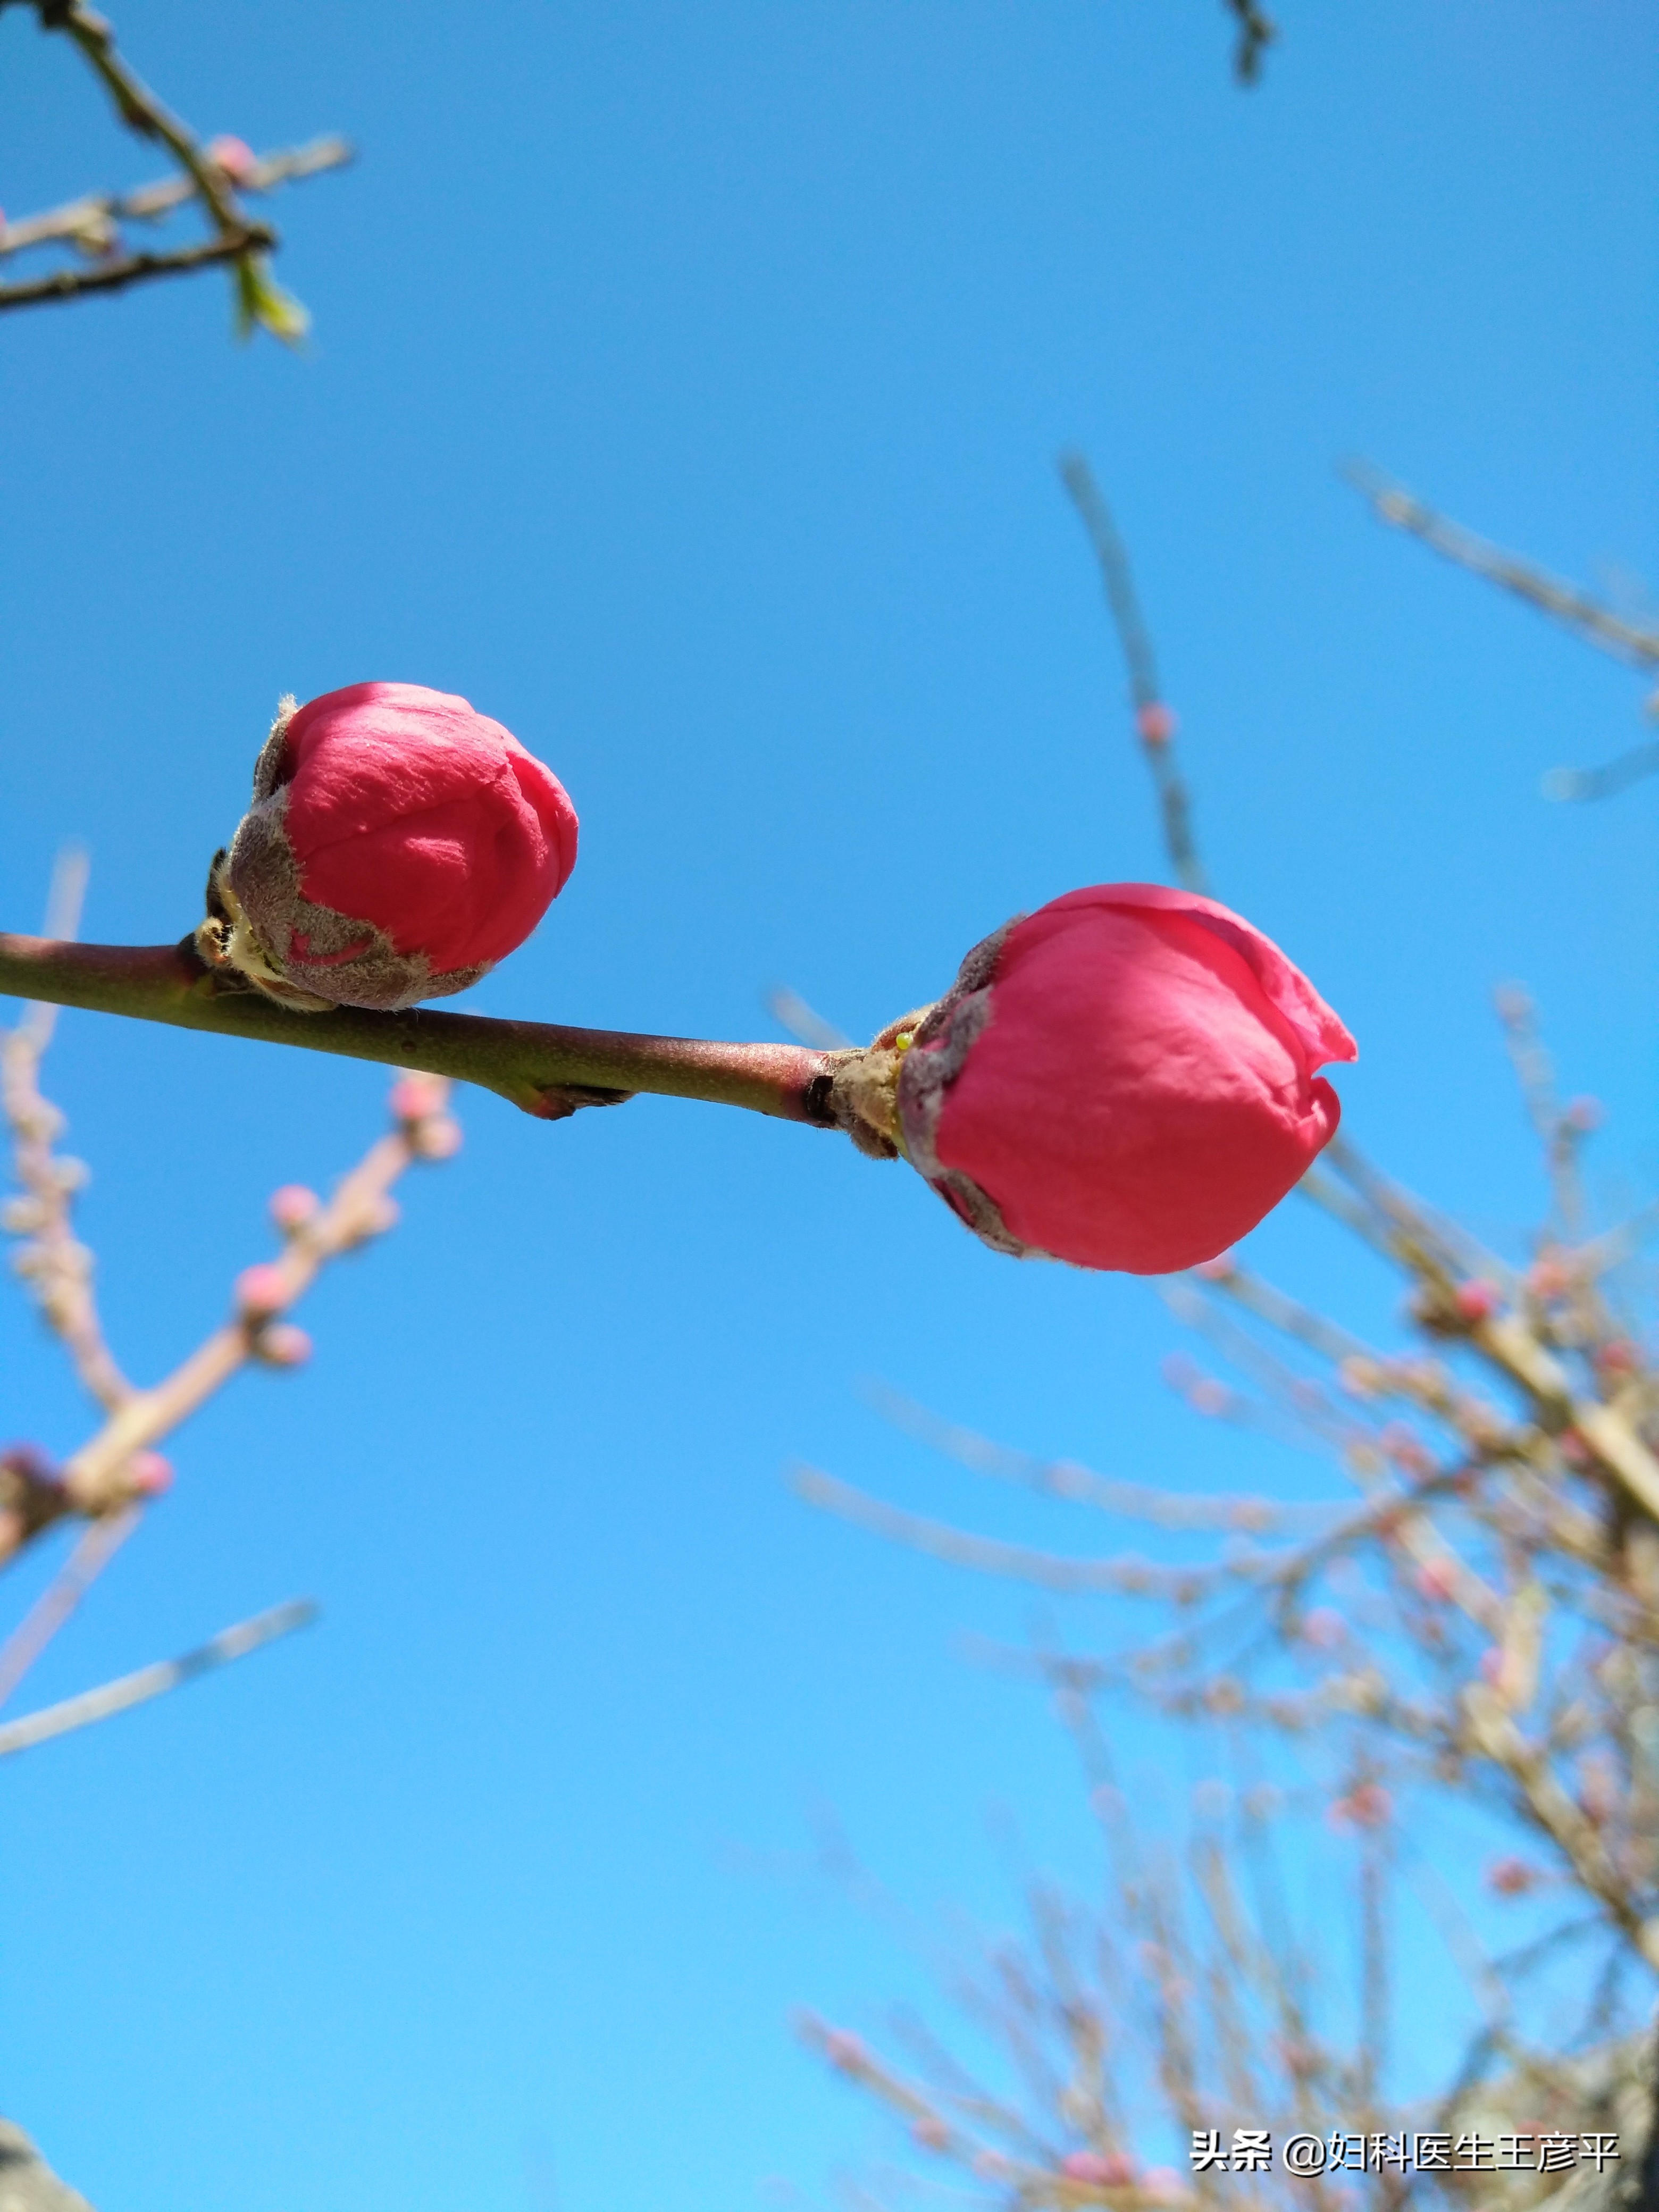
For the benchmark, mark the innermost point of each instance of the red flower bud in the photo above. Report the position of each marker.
(1123, 1079)
(398, 847)
(1156, 723)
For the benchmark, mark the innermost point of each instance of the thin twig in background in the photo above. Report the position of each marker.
(1635, 643)
(89, 224)
(58, 1266)
(153, 1682)
(1257, 33)
(1154, 722)
(94, 1549)
(243, 243)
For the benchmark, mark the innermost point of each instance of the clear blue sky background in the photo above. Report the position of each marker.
(684, 390)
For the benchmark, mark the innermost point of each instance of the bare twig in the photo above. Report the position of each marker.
(88, 224)
(1257, 33)
(94, 1548)
(1154, 723)
(59, 1266)
(236, 240)
(1636, 643)
(133, 269)
(148, 1682)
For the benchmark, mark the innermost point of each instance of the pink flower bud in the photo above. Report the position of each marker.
(1123, 1079)
(260, 1292)
(1511, 1877)
(293, 1205)
(1324, 1628)
(1477, 1300)
(283, 1345)
(149, 1475)
(438, 1138)
(414, 1097)
(1617, 1359)
(1110, 2169)
(1582, 1114)
(1368, 1805)
(233, 155)
(1436, 1580)
(931, 2132)
(398, 846)
(1156, 723)
(845, 2052)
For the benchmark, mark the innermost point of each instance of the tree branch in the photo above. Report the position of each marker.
(1154, 723)
(547, 1071)
(88, 223)
(148, 1682)
(133, 269)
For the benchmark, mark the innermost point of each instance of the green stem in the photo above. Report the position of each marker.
(547, 1071)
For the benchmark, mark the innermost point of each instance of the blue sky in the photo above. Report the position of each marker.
(684, 390)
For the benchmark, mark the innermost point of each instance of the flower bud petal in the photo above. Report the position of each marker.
(398, 847)
(1123, 1079)
(293, 1205)
(260, 1291)
(149, 1475)
(283, 1345)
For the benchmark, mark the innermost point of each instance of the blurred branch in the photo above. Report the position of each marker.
(58, 1266)
(88, 224)
(1257, 33)
(137, 1689)
(96, 1478)
(94, 1549)
(1635, 643)
(1154, 722)
(205, 178)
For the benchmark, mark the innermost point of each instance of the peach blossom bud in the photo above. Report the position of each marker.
(1368, 1805)
(260, 1291)
(1616, 1360)
(845, 2052)
(1436, 1580)
(1582, 1114)
(283, 1345)
(293, 1205)
(1477, 1300)
(1324, 1628)
(931, 2132)
(1100, 2169)
(1124, 1079)
(149, 1475)
(1511, 1877)
(399, 845)
(414, 1097)
(233, 155)
(437, 1137)
(1549, 1278)
(1156, 722)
